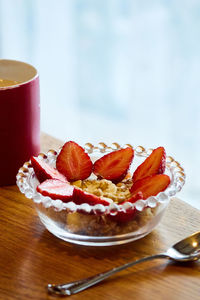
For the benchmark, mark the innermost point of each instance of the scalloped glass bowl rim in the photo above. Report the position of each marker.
(27, 183)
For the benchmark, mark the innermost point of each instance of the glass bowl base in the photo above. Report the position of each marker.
(94, 240)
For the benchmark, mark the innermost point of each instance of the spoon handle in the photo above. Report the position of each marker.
(80, 285)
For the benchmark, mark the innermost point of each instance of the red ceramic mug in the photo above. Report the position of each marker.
(19, 117)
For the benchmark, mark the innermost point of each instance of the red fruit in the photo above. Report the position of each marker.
(124, 216)
(115, 165)
(154, 164)
(134, 198)
(129, 214)
(43, 171)
(151, 186)
(56, 189)
(73, 162)
(80, 196)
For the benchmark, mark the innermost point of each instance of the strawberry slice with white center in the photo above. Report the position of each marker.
(115, 165)
(44, 171)
(154, 164)
(74, 162)
(151, 186)
(80, 196)
(56, 190)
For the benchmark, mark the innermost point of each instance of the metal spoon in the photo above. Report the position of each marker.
(186, 250)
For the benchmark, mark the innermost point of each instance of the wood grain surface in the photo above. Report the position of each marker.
(31, 257)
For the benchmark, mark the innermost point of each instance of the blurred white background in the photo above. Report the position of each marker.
(114, 70)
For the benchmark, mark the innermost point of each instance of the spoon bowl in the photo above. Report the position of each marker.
(185, 250)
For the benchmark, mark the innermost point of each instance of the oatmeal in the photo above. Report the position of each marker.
(94, 225)
(105, 188)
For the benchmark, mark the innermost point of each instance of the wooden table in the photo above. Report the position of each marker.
(31, 257)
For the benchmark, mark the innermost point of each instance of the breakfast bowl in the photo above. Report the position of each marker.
(108, 222)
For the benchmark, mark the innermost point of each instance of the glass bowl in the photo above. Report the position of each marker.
(95, 225)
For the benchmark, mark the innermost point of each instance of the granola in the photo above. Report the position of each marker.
(106, 189)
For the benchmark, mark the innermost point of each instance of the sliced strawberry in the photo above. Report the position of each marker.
(151, 186)
(134, 198)
(56, 189)
(74, 162)
(115, 165)
(129, 214)
(43, 171)
(80, 196)
(154, 164)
